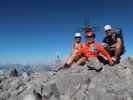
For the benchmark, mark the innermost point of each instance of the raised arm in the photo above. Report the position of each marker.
(105, 53)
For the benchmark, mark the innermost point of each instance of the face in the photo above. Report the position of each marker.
(78, 39)
(108, 32)
(90, 39)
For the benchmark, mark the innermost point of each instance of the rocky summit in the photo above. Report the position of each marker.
(76, 83)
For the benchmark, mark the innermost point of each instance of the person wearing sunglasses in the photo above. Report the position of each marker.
(113, 42)
(77, 45)
(90, 50)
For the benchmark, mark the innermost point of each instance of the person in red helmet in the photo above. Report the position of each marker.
(90, 50)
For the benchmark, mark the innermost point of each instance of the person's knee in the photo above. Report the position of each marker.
(118, 47)
(71, 59)
(83, 59)
(118, 50)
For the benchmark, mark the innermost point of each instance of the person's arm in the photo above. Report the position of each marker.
(73, 47)
(118, 36)
(118, 43)
(74, 50)
(104, 43)
(105, 53)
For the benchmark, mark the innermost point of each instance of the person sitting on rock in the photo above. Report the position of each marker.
(90, 50)
(76, 47)
(114, 42)
(77, 44)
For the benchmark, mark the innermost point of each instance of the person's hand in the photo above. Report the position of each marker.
(104, 45)
(111, 63)
(113, 46)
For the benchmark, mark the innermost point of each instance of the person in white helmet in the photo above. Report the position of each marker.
(77, 44)
(75, 48)
(113, 42)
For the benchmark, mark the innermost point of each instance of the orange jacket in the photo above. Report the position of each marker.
(93, 50)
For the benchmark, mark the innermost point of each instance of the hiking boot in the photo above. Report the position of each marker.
(116, 60)
(64, 66)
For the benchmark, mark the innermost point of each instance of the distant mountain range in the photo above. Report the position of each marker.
(24, 68)
(30, 67)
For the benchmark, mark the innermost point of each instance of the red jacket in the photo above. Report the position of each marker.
(93, 50)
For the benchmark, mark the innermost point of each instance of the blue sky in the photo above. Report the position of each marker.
(34, 30)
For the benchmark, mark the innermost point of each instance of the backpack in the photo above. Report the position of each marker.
(119, 32)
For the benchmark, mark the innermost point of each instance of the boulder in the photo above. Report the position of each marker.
(75, 83)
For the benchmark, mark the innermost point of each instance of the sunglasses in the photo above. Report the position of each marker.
(89, 36)
(77, 37)
(107, 31)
